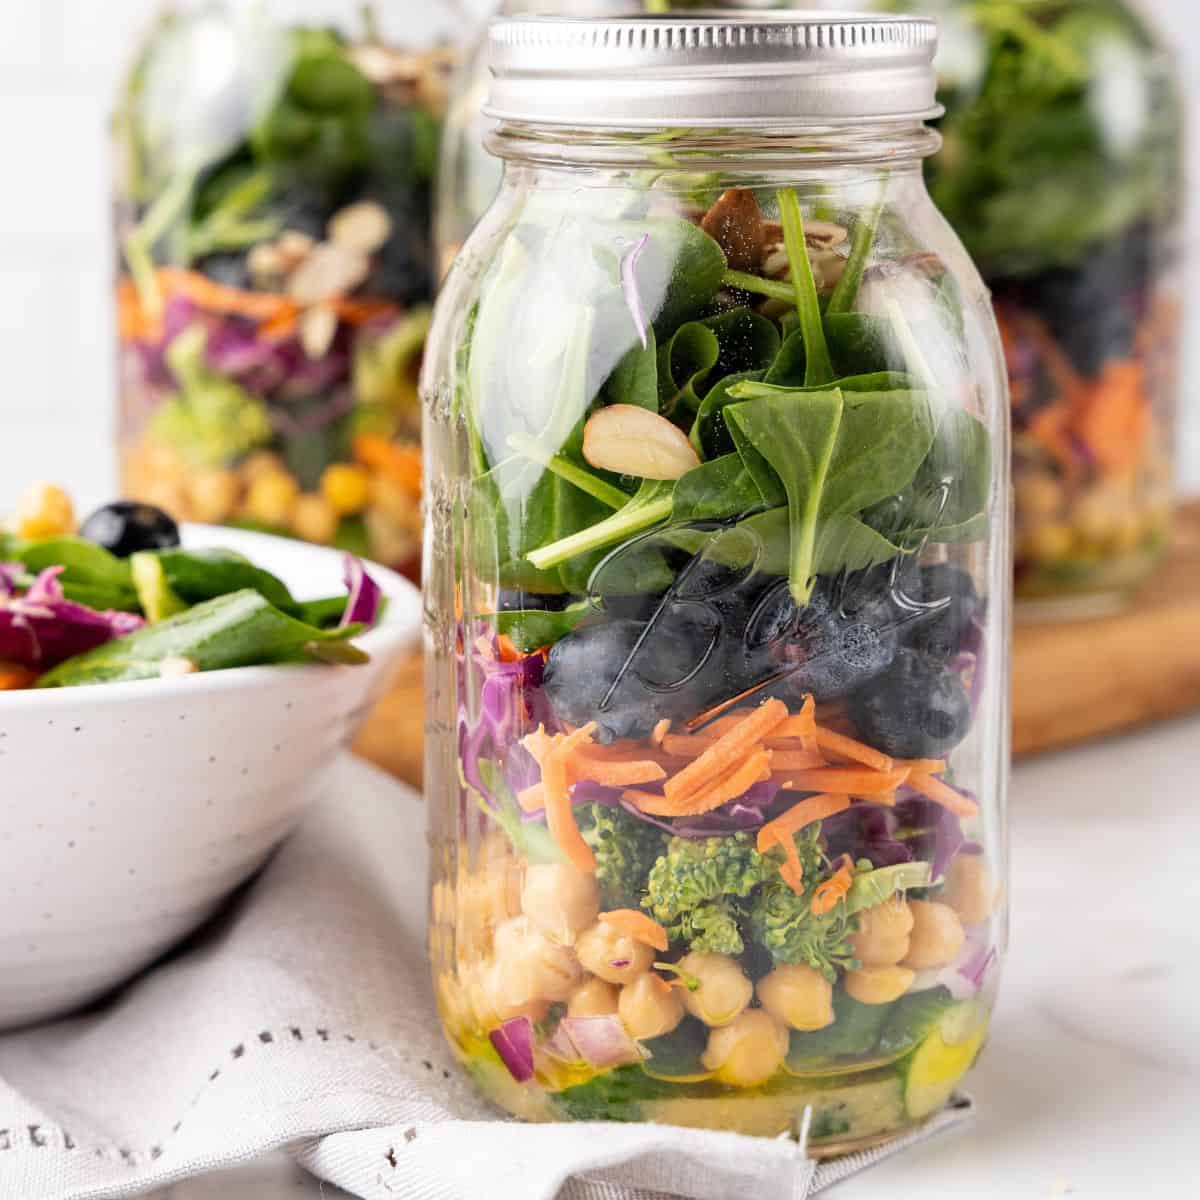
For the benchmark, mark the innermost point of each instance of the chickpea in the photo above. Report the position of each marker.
(883, 933)
(212, 495)
(1039, 498)
(500, 995)
(1049, 542)
(261, 463)
(272, 498)
(798, 996)
(1094, 518)
(748, 1051)
(723, 992)
(347, 487)
(314, 519)
(560, 900)
(612, 955)
(968, 890)
(1128, 532)
(593, 998)
(44, 511)
(937, 935)
(530, 966)
(649, 1007)
(878, 985)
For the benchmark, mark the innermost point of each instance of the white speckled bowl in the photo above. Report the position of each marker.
(129, 811)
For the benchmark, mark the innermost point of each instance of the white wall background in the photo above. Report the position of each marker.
(59, 61)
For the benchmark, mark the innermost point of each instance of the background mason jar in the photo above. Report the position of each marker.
(274, 171)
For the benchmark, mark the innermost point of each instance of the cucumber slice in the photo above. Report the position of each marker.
(934, 1069)
(156, 596)
(913, 1018)
(853, 1035)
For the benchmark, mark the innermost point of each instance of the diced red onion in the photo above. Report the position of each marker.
(365, 595)
(514, 1043)
(560, 1046)
(602, 1041)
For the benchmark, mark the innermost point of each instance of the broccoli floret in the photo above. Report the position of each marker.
(784, 924)
(626, 849)
(694, 890)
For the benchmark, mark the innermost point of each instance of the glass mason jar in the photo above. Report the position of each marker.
(1060, 170)
(717, 586)
(469, 177)
(273, 210)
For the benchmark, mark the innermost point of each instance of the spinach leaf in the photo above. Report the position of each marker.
(649, 506)
(82, 562)
(708, 434)
(818, 368)
(845, 291)
(531, 628)
(797, 434)
(198, 575)
(700, 354)
(635, 378)
(238, 630)
(715, 490)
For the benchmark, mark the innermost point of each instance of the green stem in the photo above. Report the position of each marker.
(574, 474)
(909, 344)
(139, 245)
(818, 369)
(846, 291)
(651, 505)
(802, 518)
(761, 287)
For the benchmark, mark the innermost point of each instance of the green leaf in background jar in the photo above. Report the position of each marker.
(715, 490)
(853, 1035)
(678, 1055)
(531, 628)
(635, 378)
(238, 630)
(708, 434)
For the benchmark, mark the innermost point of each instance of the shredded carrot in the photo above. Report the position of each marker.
(791, 871)
(281, 326)
(399, 463)
(532, 799)
(560, 815)
(616, 774)
(854, 781)
(793, 760)
(729, 786)
(218, 298)
(725, 722)
(854, 750)
(638, 926)
(660, 731)
(485, 649)
(362, 311)
(508, 651)
(923, 766)
(538, 743)
(729, 749)
(687, 745)
(833, 890)
(785, 827)
(943, 794)
(134, 323)
(15, 678)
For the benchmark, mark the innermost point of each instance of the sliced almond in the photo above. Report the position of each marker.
(318, 328)
(327, 272)
(364, 227)
(823, 235)
(828, 266)
(635, 441)
(293, 247)
(265, 263)
(735, 223)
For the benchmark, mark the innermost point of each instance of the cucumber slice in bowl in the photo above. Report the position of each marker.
(935, 1067)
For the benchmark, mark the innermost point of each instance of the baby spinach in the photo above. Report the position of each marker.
(717, 489)
(198, 575)
(531, 628)
(238, 630)
(708, 434)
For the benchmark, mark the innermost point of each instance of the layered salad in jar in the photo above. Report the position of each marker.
(274, 214)
(724, 851)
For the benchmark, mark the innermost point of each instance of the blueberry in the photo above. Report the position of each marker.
(936, 610)
(654, 676)
(915, 709)
(126, 527)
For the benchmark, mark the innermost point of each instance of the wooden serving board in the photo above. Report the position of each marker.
(1071, 680)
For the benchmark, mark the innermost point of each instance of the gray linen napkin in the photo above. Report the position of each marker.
(303, 1019)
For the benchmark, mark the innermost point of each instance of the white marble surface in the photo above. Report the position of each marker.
(1090, 1086)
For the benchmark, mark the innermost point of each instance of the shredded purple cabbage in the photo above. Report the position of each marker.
(629, 286)
(934, 833)
(42, 628)
(511, 704)
(366, 596)
(867, 831)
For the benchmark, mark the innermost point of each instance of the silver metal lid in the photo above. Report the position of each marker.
(706, 69)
